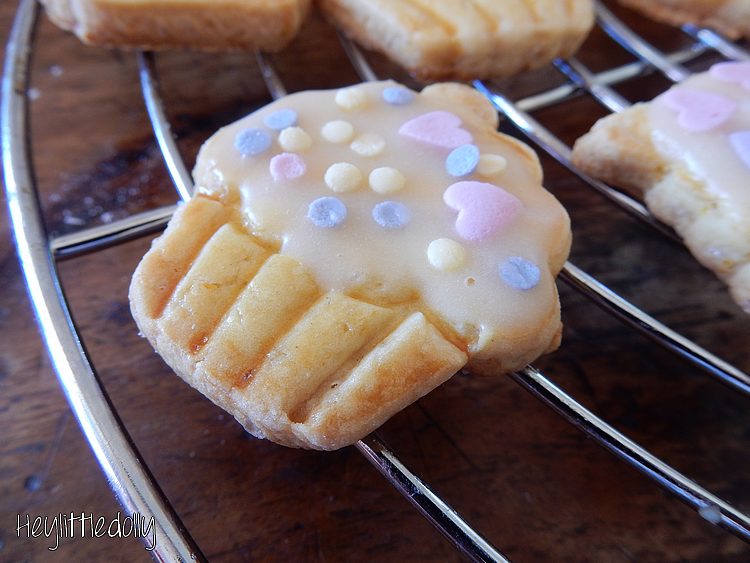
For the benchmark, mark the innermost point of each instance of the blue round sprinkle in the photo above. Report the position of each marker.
(280, 120)
(462, 161)
(398, 95)
(327, 212)
(391, 214)
(251, 142)
(519, 273)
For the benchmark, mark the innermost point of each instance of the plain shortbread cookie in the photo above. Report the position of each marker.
(211, 25)
(731, 17)
(465, 39)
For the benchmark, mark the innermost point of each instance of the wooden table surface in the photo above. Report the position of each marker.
(531, 483)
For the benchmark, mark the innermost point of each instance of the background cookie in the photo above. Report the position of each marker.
(731, 17)
(160, 24)
(458, 39)
(688, 151)
(350, 251)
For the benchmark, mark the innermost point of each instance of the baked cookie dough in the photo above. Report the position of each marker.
(210, 25)
(347, 252)
(731, 17)
(688, 153)
(465, 39)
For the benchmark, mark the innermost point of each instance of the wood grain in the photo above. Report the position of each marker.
(532, 484)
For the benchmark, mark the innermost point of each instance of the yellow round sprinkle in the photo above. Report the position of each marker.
(343, 177)
(446, 254)
(294, 139)
(386, 180)
(351, 98)
(369, 144)
(338, 131)
(491, 164)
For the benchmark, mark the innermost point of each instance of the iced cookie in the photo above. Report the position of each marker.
(731, 17)
(210, 25)
(348, 252)
(688, 152)
(465, 39)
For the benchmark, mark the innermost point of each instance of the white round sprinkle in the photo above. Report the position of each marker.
(338, 131)
(386, 180)
(351, 98)
(294, 139)
(446, 254)
(369, 144)
(343, 177)
(491, 164)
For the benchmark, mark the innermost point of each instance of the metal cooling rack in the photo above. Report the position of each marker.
(128, 475)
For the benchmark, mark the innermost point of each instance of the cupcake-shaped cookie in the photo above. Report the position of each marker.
(347, 252)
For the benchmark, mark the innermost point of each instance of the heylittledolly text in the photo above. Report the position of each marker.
(84, 525)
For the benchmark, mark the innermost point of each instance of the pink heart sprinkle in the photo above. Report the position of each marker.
(733, 72)
(483, 209)
(741, 144)
(438, 128)
(287, 166)
(699, 111)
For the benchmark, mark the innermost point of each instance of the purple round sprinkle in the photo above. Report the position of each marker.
(398, 95)
(251, 142)
(327, 212)
(391, 214)
(462, 161)
(280, 120)
(519, 273)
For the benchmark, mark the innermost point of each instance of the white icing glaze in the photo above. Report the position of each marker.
(708, 155)
(360, 251)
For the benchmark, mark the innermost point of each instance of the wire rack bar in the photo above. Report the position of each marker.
(432, 507)
(270, 76)
(584, 79)
(175, 164)
(717, 42)
(126, 472)
(712, 508)
(608, 77)
(638, 46)
(357, 58)
(660, 333)
(103, 236)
